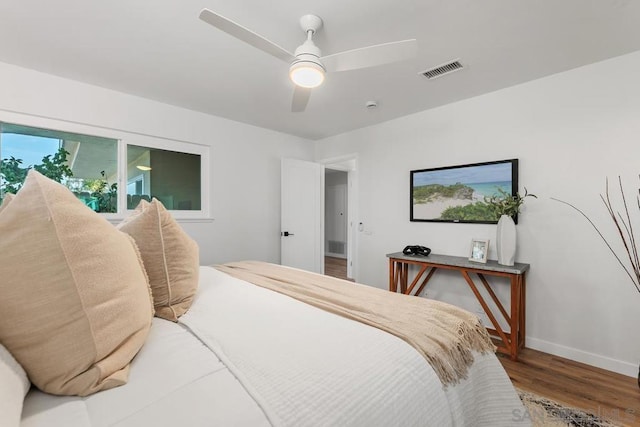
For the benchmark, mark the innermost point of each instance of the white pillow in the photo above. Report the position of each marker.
(14, 386)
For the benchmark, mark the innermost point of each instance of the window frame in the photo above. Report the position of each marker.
(124, 139)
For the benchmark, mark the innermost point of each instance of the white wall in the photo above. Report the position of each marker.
(570, 131)
(245, 160)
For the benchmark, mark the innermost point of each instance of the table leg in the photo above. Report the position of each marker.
(404, 277)
(515, 317)
(392, 282)
(523, 310)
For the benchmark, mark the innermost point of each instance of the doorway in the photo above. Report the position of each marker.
(340, 237)
(335, 221)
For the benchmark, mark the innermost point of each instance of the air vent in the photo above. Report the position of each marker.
(443, 69)
(336, 247)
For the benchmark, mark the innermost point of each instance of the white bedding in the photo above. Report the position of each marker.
(261, 358)
(175, 381)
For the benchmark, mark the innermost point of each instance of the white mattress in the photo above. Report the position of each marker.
(261, 358)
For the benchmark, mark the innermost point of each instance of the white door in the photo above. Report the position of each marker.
(302, 210)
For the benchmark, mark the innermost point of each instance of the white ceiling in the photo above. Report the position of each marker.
(160, 50)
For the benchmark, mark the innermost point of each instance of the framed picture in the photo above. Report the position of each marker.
(479, 250)
(457, 193)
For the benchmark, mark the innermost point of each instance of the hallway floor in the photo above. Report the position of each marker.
(336, 267)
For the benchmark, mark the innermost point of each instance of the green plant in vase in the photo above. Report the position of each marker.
(506, 207)
(506, 204)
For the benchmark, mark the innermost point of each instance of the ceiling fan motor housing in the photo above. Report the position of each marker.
(307, 70)
(308, 52)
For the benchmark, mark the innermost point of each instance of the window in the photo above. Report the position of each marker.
(85, 164)
(169, 176)
(92, 167)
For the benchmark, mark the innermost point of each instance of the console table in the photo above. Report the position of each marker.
(512, 340)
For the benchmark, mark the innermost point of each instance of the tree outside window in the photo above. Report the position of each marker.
(83, 163)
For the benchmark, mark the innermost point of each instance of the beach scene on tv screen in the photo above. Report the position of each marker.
(459, 194)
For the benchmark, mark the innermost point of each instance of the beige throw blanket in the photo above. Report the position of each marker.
(443, 334)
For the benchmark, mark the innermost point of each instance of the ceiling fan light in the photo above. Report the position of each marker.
(307, 74)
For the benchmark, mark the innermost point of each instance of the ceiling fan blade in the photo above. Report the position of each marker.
(371, 56)
(300, 99)
(244, 34)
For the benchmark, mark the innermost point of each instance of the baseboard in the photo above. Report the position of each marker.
(624, 368)
(332, 255)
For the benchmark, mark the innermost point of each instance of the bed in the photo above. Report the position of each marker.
(121, 326)
(247, 356)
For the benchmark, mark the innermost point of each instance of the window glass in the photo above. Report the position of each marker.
(171, 177)
(86, 164)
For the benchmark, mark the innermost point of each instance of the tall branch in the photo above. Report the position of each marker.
(630, 232)
(626, 244)
(636, 284)
(630, 245)
(627, 228)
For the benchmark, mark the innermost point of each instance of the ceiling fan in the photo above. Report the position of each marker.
(307, 67)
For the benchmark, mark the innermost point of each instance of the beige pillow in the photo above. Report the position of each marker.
(8, 197)
(14, 386)
(74, 296)
(170, 257)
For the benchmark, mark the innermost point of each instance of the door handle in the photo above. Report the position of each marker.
(286, 234)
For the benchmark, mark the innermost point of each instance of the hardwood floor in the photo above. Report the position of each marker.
(609, 395)
(335, 267)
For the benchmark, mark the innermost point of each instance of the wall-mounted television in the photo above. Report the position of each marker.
(457, 193)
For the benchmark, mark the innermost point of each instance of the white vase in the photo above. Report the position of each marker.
(506, 240)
